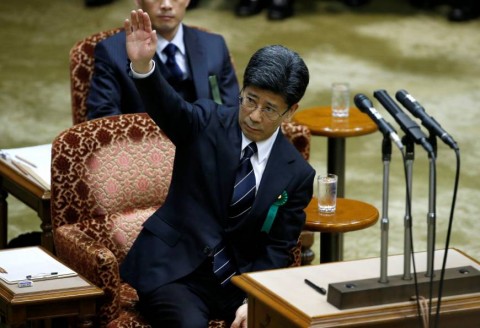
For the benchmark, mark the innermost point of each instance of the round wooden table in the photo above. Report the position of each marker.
(321, 123)
(350, 215)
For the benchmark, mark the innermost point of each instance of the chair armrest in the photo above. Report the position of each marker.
(85, 255)
(93, 261)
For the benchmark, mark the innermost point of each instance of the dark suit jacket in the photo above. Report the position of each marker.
(113, 92)
(181, 234)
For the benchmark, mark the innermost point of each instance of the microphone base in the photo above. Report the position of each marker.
(370, 292)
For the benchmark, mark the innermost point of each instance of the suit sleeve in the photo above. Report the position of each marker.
(104, 97)
(180, 120)
(285, 231)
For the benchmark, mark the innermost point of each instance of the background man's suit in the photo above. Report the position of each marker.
(182, 234)
(113, 92)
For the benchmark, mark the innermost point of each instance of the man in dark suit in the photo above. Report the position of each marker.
(208, 230)
(202, 58)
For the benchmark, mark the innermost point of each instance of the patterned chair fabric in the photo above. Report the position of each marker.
(81, 71)
(108, 176)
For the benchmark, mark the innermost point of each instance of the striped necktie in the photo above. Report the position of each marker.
(171, 63)
(242, 200)
(245, 186)
(223, 266)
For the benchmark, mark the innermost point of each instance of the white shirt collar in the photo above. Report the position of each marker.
(264, 147)
(177, 40)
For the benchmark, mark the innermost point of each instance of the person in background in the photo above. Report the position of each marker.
(238, 191)
(196, 63)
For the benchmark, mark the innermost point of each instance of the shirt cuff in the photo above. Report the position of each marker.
(142, 75)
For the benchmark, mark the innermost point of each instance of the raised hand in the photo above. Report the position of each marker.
(141, 40)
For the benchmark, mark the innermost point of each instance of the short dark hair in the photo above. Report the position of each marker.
(280, 70)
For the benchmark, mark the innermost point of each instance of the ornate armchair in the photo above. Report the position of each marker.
(108, 176)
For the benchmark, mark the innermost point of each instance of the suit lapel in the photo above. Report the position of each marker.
(197, 61)
(275, 177)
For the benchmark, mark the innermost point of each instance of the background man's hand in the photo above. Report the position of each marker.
(141, 40)
(241, 317)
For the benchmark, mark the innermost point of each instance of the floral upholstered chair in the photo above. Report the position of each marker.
(108, 176)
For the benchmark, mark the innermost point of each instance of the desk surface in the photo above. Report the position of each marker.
(47, 299)
(10, 175)
(285, 291)
(320, 122)
(350, 215)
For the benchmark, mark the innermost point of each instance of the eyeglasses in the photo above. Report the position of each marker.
(250, 105)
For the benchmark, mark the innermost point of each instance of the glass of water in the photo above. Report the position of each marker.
(340, 99)
(327, 193)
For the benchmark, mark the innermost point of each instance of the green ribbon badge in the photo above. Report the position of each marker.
(272, 212)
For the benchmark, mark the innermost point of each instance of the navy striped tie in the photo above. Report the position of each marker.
(171, 63)
(223, 267)
(245, 186)
(242, 200)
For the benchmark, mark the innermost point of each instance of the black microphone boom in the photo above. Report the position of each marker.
(429, 122)
(406, 123)
(366, 106)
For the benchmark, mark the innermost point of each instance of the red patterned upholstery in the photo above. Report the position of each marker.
(108, 176)
(299, 135)
(81, 71)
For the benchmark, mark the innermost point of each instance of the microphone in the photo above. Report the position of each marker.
(408, 126)
(366, 106)
(429, 122)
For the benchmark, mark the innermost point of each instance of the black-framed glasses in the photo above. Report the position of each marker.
(251, 105)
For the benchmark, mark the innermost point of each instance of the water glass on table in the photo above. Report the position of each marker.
(340, 99)
(327, 193)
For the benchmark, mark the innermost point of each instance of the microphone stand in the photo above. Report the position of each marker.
(431, 216)
(384, 223)
(409, 158)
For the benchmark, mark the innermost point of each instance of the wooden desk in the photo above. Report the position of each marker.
(280, 298)
(350, 215)
(321, 123)
(61, 297)
(29, 193)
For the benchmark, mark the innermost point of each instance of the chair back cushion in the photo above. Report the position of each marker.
(299, 135)
(81, 70)
(108, 176)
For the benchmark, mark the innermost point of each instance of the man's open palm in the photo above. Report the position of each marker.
(141, 40)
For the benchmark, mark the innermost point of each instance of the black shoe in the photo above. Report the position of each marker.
(423, 4)
(249, 7)
(280, 9)
(355, 3)
(96, 3)
(464, 13)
